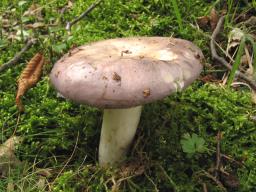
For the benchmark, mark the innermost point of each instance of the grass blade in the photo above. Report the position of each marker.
(237, 62)
(177, 14)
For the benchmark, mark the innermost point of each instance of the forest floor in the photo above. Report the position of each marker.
(202, 139)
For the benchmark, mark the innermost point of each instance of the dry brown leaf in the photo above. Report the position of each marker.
(6, 23)
(234, 38)
(7, 155)
(70, 4)
(132, 168)
(214, 18)
(211, 20)
(44, 172)
(41, 183)
(203, 21)
(29, 77)
(35, 25)
(209, 78)
(12, 36)
(34, 10)
(251, 21)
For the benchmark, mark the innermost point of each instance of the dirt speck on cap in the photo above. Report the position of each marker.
(197, 56)
(126, 52)
(57, 74)
(116, 77)
(146, 92)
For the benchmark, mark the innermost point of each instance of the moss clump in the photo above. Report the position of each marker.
(51, 125)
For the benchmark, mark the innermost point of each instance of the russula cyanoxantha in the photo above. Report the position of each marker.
(119, 76)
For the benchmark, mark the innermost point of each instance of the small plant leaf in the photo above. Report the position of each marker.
(199, 143)
(192, 144)
(22, 3)
(59, 48)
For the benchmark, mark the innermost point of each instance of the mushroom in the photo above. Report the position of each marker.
(120, 75)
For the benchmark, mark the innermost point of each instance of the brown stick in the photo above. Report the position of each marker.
(218, 157)
(205, 187)
(221, 60)
(232, 160)
(84, 14)
(16, 58)
(209, 176)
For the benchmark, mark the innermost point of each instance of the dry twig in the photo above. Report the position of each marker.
(206, 174)
(241, 164)
(69, 159)
(205, 187)
(218, 155)
(221, 60)
(84, 14)
(16, 58)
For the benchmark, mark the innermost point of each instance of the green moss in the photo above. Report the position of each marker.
(51, 125)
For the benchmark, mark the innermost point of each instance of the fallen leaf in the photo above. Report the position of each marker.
(251, 21)
(70, 4)
(131, 168)
(34, 10)
(203, 21)
(44, 172)
(209, 78)
(7, 156)
(214, 18)
(35, 25)
(41, 184)
(244, 60)
(12, 36)
(229, 180)
(234, 38)
(29, 77)
(211, 20)
(5, 23)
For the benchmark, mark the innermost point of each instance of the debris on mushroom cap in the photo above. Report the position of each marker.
(116, 77)
(146, 92)
(126, 72)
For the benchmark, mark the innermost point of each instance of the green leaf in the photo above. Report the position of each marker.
(22, 3)
(59, 48)
(199, 143)
(192, 144)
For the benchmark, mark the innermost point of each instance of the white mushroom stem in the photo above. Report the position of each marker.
(118, 130)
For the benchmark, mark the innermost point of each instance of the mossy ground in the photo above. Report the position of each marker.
(64, 136)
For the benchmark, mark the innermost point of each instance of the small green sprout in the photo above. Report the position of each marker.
(192, 144)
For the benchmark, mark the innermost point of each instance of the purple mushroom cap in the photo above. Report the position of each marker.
(126, 72)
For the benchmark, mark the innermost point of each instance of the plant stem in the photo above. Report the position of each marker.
(118, 130)
(237, 62)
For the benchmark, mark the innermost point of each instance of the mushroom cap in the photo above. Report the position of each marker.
(126, 72)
